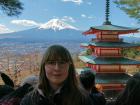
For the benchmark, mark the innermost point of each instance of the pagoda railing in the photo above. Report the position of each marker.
(113, 86)
(107, 40)
(107, 55)
(111, 71)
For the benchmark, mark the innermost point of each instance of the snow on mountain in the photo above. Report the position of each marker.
(56, 24)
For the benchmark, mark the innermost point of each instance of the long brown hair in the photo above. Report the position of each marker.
(130, 95)
(71, 83)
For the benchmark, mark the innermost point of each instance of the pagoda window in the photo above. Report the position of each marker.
(107, 36)
(108, 52)
(109, 68)
(110, 32)
(104, 36)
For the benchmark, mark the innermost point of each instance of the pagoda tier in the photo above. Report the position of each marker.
(107, 65)
(108, 49)
(102, 78)
(111, 83)
(111, 29)
(109, 33)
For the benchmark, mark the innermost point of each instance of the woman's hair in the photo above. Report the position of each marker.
(131, 93)
(56, 52)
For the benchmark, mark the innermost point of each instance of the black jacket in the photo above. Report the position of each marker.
(98, 98)
(35, 98)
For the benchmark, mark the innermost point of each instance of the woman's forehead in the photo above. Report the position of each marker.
(57, 57)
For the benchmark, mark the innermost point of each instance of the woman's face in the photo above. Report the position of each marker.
(56, 72)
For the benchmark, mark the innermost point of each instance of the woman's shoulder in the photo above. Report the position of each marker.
(30, 98)
(86, 100)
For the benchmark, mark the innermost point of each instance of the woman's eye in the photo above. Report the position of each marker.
(56, 62)
(62, 62)
(51, 62)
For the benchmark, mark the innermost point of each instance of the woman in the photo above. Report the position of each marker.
(131, 93)
(57, 81)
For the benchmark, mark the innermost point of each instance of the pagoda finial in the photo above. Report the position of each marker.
(107, 22)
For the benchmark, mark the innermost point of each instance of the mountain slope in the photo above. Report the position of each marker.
(56, 24)
(54, 30)
(45, 35)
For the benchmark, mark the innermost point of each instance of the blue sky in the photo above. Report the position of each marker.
(79, 13)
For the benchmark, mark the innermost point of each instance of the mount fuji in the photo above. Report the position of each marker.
(56, 24)
(54, 30)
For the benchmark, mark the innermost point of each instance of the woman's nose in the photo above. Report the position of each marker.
(57, 66)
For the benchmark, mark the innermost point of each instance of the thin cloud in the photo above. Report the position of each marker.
(83, 15)
(74, 1)
(25, 22)
(68, 19)
(89, 3)
(88, 17)
(4, 29)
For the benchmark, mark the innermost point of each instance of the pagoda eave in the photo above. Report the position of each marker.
(93, 60)
(82, 70)
(94, 31)
(120, 78)
(109, 45)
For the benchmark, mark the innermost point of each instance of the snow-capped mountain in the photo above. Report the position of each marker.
(56, 24)
(54, 30)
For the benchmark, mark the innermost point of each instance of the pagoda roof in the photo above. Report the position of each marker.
(112, 78)
(110, 44)
(108, 60)
(105, 78)
(114, 28)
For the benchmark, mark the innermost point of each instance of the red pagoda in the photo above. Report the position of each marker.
(106, 59)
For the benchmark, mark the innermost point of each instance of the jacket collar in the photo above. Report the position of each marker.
(58, 91)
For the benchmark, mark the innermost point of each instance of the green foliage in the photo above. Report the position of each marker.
(11, 7)
(89, 51)
(130, 7)
(130, 52)
(78, 63)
